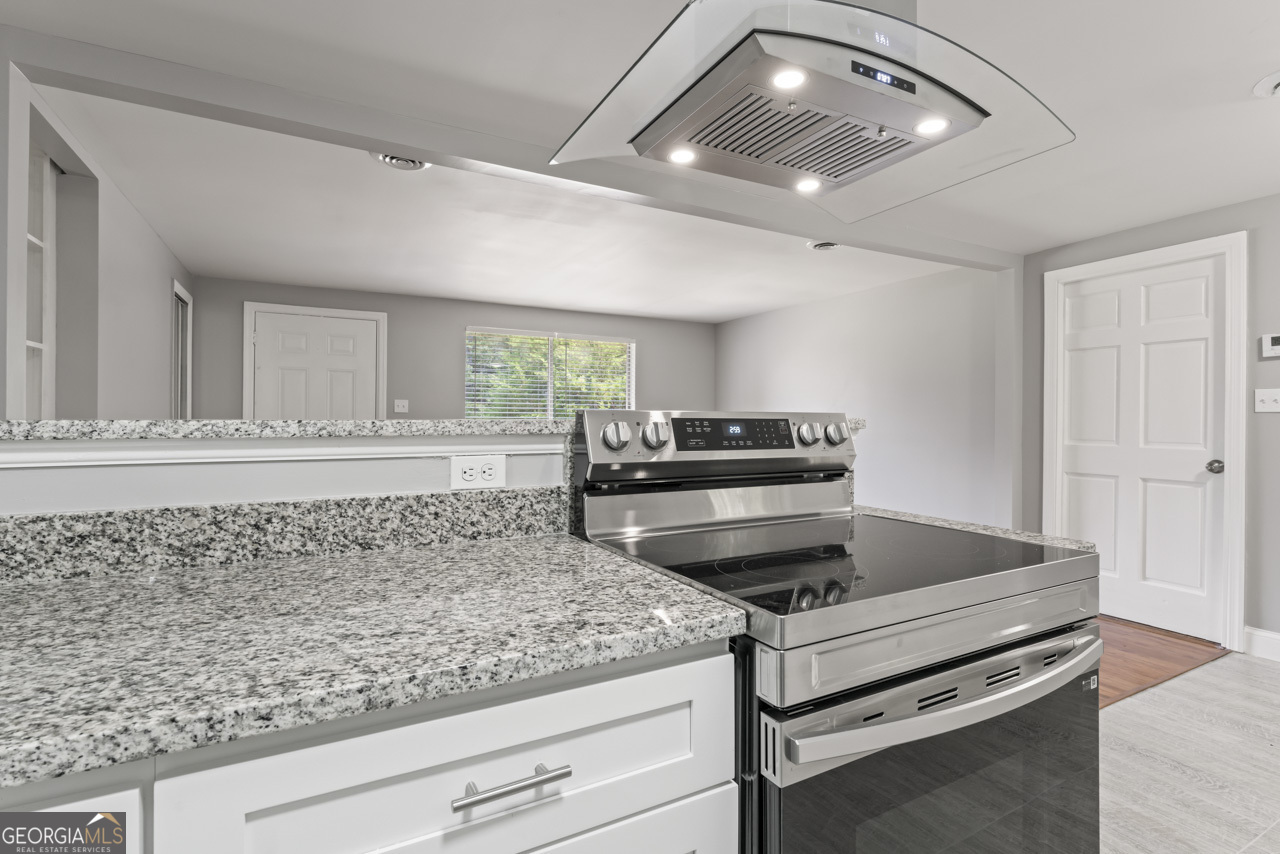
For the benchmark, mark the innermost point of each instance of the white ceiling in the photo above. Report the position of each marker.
(239, 203)
(1158, 91)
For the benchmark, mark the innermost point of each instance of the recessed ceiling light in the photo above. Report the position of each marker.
(789, 79)
(821, 245)
(682, 155)
(808, 185)
(404, 164)
(929, 127)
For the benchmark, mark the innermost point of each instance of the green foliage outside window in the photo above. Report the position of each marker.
(531, 375)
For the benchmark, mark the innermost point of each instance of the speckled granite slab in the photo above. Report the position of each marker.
(72, 430)
(95, 672)
(1024, 536)
(18, 431)
(119, 541)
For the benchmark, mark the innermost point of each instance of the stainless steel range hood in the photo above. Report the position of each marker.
(848, 139)
(853, 114)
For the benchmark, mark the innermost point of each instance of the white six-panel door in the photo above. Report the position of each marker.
(1137, 381)
(313, 366)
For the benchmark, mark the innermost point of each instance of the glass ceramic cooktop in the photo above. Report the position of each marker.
(885, 557)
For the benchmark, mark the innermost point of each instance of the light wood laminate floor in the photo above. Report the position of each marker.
(1193, 764)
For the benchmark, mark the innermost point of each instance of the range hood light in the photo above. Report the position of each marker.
(789, 79)
(929, 127)
(808, 185)
(682, 155)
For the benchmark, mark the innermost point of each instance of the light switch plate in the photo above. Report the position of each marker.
(473, 471)
(402, 406)
(1266, 400)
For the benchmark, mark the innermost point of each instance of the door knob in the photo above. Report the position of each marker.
(1215, 466)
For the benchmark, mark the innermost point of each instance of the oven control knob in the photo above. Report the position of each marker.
(809, 432)
(617, 435)
(656, 435)
(837, 432)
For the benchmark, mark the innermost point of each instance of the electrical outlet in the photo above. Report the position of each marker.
(472, 471)
(1266, 400)
(402, 406)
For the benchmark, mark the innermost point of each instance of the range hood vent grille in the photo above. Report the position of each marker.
(756, 125)
(843, 149)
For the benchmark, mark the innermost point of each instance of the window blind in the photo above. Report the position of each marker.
(521, 374)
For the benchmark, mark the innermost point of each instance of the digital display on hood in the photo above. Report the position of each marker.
(884, 77)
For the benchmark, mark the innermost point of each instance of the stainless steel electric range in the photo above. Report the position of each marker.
(902, 687)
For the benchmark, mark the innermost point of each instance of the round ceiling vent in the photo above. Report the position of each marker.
(821, 245)
(404, 164)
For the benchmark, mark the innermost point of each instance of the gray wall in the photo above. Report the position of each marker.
(675, 360)
(1261, 218)
(135, 300)
(77, 315)
(918, 359)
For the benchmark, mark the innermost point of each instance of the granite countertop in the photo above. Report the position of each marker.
(95, 672)
(30, 431)
(1024, 536)
(18, 431)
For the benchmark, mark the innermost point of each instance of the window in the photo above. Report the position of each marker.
(513, 373)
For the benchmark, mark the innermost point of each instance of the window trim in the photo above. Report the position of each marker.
(552, 337)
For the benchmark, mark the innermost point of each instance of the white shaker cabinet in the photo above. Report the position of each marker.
(645, 756)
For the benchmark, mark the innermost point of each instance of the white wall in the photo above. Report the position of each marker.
(918, 359)
(675, 360)
(135, 299)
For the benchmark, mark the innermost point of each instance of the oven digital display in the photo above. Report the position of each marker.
(725, 434)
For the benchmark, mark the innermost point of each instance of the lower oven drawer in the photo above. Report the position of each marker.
(786, 678)
(997, 755)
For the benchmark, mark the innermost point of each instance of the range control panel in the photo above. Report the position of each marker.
(617, 444)
(727, 434)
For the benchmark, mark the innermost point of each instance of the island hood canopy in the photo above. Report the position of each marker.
(861, 110)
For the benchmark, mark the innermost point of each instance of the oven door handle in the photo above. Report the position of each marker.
(867, 739)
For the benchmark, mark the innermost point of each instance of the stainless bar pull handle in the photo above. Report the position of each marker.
(863, 739)
(541, 775)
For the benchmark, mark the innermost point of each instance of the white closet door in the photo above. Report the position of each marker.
(313, 367)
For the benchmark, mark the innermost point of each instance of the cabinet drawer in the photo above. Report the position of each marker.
(703, 824)
(632, 743)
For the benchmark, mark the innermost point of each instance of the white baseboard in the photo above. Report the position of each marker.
(1262, 643)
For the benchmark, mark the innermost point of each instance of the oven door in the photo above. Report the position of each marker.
(997, 754)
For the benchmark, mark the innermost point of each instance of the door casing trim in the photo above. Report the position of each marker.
(1234, 251)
